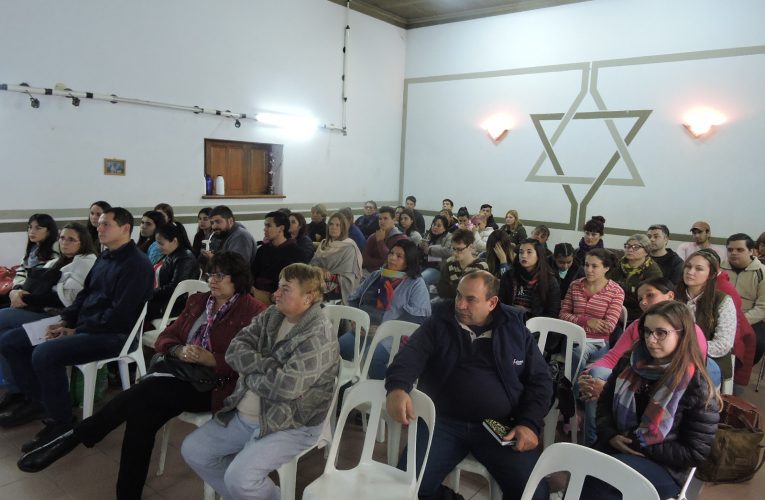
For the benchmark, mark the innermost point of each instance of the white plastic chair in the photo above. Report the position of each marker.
(184, 287)
(575, 334)
(726, 387)
(582, 462)
(371, 480)
(393, 329)
(126, 356)
(623, 318)
(350, 371)
(287, 472)
(691, 487)
(470, 464)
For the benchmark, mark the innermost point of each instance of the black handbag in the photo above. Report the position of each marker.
(41, 281)
(203, 378)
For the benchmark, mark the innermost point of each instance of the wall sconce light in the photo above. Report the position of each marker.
(497, 126)
(700, 121)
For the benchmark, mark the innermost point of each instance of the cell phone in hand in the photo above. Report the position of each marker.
(499, 431)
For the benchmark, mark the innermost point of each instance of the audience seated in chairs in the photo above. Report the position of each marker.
(565, 266)
(500, 253)
(317, 228)
(486, 212)
(94, 327)
(178, 264)
(354, 232)
(592, 238)
(228, 236)
(541, 233)
(200, 337)
(419, 220)
(147, 242)
(594, 303)
(462, 261)
(169, 213)
(45, 292)
(435, 246)
(669, 262)
(42, 235)
(530, 285)
(713, 310)
(594, 377)
(701, 233)
(288, 362)
(96, 209)
(297, 233)
(204, 231)
(481, 232)
(339, 259)
(466, 357)
(379, 244)
(514, 227)
(273, 256)
(635, 267)
(659, 410)
(396, 291)
(367, 222)
(408, 227)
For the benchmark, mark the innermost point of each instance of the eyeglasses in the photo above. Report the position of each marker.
(215, 276)
(627, 246)
(458, 250)
(659, 334)
(67, 239)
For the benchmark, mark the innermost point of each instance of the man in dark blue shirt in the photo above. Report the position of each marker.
(476, 360)
(94, 327)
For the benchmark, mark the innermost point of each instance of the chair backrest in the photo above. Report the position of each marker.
(336, 314)
(582, 462)
(623, 318)
(137, 330)
(185, 286)
(392, 329)
(575, 334)
(373, 394)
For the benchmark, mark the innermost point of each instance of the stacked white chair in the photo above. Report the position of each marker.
(184, 287)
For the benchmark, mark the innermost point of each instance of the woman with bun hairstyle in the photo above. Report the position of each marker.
(592, 237)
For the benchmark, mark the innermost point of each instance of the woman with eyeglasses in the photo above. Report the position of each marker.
(46, 291)
(530, 284)
(593, 378)
(462, 261)
(396, 291)
(659, 410)
(635, 267)
(435, 246)
(178, 264)
(201, 335)
(713, 310)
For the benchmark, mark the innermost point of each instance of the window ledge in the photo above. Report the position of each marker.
(241, 196)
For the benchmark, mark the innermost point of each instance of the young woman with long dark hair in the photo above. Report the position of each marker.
(531, 285)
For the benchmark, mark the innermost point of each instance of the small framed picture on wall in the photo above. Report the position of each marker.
(113, 166)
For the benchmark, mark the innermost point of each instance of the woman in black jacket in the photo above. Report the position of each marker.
(659, 406)
(530, 284)
(178, 264)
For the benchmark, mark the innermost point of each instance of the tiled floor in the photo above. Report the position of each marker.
(91, 473)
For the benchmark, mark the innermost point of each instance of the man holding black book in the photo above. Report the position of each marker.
(476, 360)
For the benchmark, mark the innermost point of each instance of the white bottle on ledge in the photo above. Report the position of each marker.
(220, 186)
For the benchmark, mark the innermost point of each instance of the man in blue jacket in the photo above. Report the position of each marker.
(94, 327)
(476, 360)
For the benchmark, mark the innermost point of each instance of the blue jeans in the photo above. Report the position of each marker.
(591, 407)
(11, 318)
(40, 371)
(714, 371)
(236, 461)
(380, 357)
(431, 275)
(655, 473)
(453, 439)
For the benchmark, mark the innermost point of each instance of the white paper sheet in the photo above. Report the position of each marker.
(36, 329)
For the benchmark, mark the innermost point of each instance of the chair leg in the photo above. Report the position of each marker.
(163, 449)
(381, 432)
(762, 373)
(124, 374)
(89, 372)
(209, 492)
(140, 362)
(394, 442)
(288, 479)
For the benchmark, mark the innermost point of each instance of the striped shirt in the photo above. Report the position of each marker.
(580, 305)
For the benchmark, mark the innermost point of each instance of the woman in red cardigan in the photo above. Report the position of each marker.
(201, 335)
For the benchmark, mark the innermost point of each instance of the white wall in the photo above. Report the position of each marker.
(717, 179)
(269, 55)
